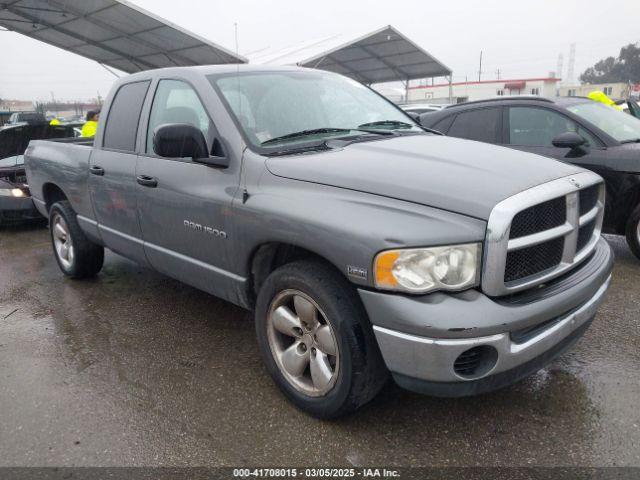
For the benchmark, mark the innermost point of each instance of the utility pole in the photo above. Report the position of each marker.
(560, 67)
(54, 106)
(572, 63)
(480, 69)
(498, 74)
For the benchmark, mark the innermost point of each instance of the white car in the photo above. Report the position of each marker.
(420, 108)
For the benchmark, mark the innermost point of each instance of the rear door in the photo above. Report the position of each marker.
(112, 179)
(481, 124)
(184, 207)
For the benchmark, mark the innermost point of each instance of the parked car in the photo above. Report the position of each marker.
(26, 118)
(420, 108)
(363, 243)
(572, 129)
(631, 107)
(16, 205)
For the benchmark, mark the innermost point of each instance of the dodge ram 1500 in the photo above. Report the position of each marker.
(365, 244)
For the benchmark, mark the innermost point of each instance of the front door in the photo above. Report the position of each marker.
(533, 129)
(184, 207)
(112, 179)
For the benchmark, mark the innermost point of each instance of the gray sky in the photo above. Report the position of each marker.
(522, 39)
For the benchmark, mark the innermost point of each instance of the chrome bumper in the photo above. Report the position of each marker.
(432, 359)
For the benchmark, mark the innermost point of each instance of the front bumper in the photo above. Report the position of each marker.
(15, 210)
(421, 338)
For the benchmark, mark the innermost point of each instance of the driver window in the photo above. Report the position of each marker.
(176, 102)
(537, 127)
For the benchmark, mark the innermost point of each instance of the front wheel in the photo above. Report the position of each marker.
(77, 256)
(316, 340)
(633, 232)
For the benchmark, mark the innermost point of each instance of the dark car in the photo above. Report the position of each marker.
(16, 204)
(26, 118)
(572, 129)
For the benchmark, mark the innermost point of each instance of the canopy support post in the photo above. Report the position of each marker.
(406, 91)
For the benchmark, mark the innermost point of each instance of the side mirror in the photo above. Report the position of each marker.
(568, 140)
(179, 140)
(182, 140)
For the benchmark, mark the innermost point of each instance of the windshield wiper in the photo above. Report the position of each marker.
(292, 150)
(304, 133)
(633, 140)
(380, 123)
(402, 125)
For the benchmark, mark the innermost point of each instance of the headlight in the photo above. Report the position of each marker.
(422, 270)
(11, 192)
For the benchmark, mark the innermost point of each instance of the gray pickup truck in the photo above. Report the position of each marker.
(365, 244)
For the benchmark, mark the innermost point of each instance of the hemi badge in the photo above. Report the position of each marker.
(357, 272)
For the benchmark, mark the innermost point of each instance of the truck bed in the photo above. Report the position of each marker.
(64, 163)
(87, 142)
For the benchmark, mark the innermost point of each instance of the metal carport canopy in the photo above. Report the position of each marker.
(385, 55)
(112, 32)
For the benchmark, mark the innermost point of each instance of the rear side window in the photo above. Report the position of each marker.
(124, 116)
(482, 125)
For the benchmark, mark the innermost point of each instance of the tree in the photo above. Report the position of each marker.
(624, 68)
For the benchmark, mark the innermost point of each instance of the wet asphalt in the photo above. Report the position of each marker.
(134, 369)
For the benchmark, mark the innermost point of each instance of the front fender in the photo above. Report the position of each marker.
(345, 227)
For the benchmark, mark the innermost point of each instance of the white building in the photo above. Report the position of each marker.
(469, 91)
(612, 90)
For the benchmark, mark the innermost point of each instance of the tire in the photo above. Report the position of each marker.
(357, 369)
(633, 232)
(83, 258)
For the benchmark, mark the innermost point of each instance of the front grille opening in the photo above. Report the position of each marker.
(585, 234)
(532, 260)
(589, 199)
(475, 362)
(538, 218)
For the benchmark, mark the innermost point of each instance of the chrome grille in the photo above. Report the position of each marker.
(542, 232)
(543, 216)
(532, 260)
(588, 198)
(584, 234)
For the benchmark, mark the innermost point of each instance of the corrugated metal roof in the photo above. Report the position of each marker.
(385, 55)
(112, 32)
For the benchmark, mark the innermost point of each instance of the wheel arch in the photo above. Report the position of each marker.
(52, 193)
(622, 205)
(269, 256)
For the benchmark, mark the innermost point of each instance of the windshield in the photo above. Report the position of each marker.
(278, 108)
(621, 126)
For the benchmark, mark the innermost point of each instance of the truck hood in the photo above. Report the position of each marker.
(461, 176)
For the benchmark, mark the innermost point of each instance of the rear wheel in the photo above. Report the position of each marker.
(77, 256)
(316, 340)
(633, 232)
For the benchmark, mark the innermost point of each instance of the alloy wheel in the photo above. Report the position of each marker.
(303, 343)
(62, 242)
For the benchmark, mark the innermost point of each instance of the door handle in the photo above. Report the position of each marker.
(95, 170)
(147, 181)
